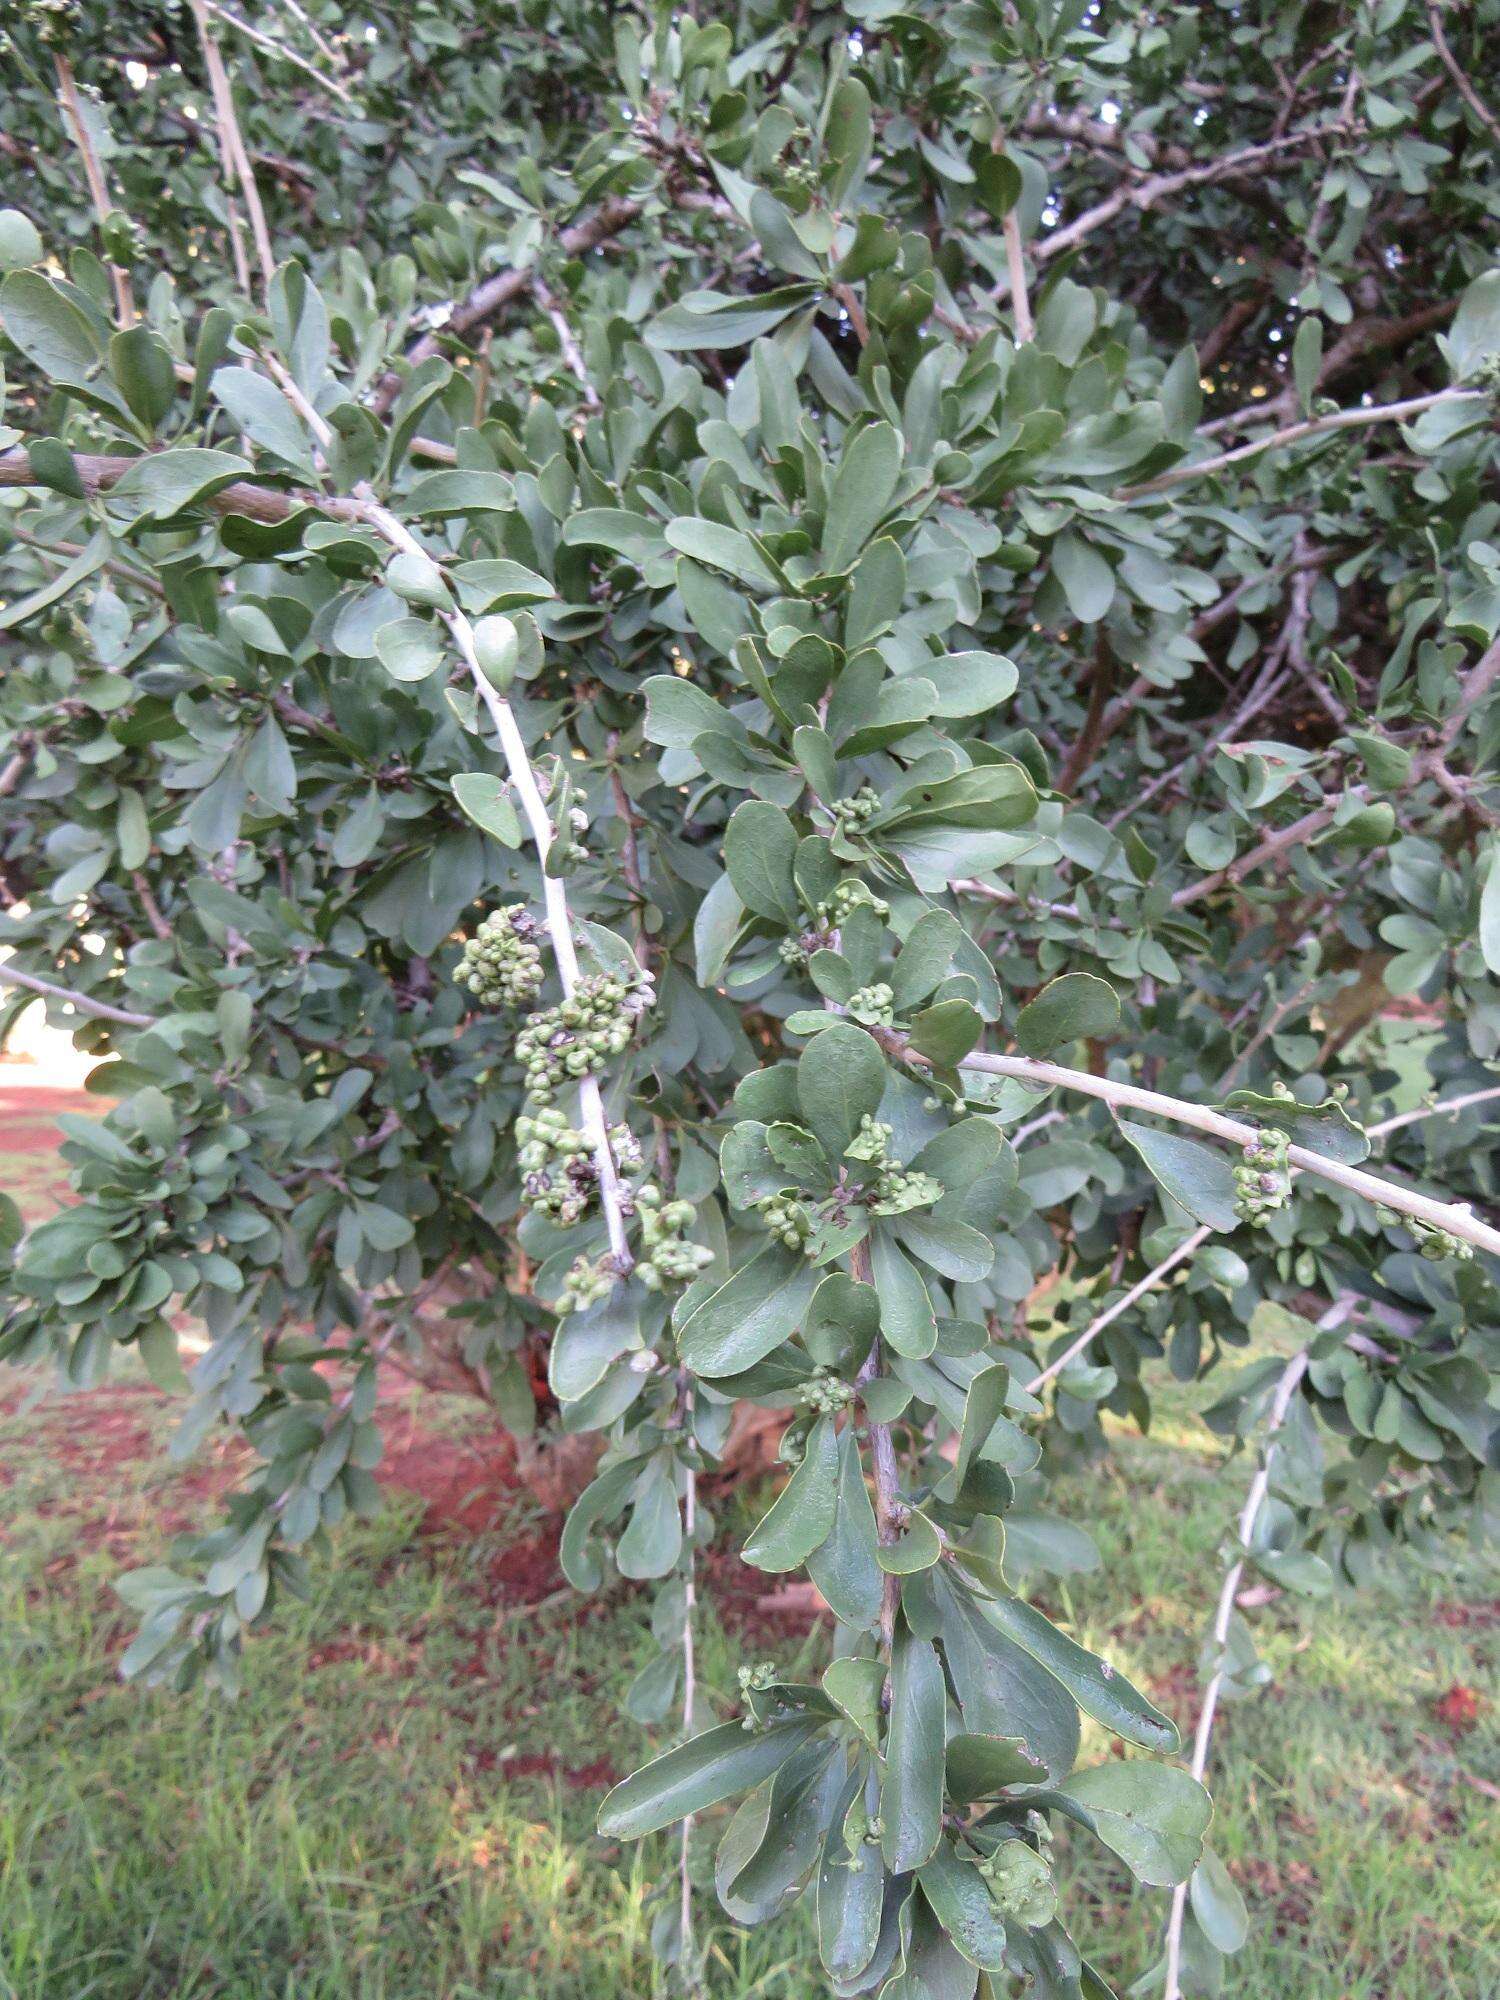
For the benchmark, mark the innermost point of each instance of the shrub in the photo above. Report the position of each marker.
(681, 690)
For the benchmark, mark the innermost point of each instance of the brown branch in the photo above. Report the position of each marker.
(1145, 194)
(1461, 83)
(492, 298)
(93, 173)
(233, 159)
(1092, 733)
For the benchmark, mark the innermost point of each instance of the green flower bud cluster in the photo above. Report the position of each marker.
(1262, 1184)
(826, 1394)
(1433, 1243)
(787, 1218)
(1020, 1884)
(851, 813)
(122, 237)
(502, 962)
(849, 896)
(892, 1189)
(874, 1005)
(666, 1258)
(754, 1681)
(795, 952)
(557, 1168)
(577, 1038)
(587, 1282)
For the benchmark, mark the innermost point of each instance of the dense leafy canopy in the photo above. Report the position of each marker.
(625, 633)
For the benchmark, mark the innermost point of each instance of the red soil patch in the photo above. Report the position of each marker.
(595, 1777)
(463, 1481)
(1459, 1708)
(1468, 1617)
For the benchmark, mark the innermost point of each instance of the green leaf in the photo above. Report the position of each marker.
(1002, 1690)
(753, 1312)
(264, 414)
(166, 483)
(1195, 1176)
(841, 1078)
(861, 490)
(1489, 911)
(486, 801)
(960, 1899)
(919, 1548)
(911, 1792)
(92, 556)
(650, 1546)
(981, 1767)
(802, 1515)
(410, 649)
(721, 548)
(847, 137)
(850, 1896)
(1218, 1904)
(1088, 582)
(677, 713)
(141, 362)
(19, 242)
(709, 319)
(1307, 359)
(760, 845)
(1475, 332)
(947, 1031)
(1153, 1816)
(844, 1567)
(55, 335)
(1075, 1008)
(1096, 1686)
(438, 496)
(855, 1687)
(971, 683)
(703, 1772)
(907, 1321)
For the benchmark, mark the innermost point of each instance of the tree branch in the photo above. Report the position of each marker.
(85, 1003)
(1340, 420)
(93, 173)
(1454, 1218)
(489, 300)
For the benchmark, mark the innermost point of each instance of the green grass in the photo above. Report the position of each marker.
(348, 1830)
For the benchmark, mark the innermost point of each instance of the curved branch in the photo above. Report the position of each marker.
(126, 1016)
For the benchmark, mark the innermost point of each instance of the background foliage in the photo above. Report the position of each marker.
(863, 535)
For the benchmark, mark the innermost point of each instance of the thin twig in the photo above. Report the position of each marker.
(1281, 1402)
(84, 1002)
(1338, 420)
(1461, 82)
(232, 139)
(218, 85)
(93, 173)
(275, 48)
(572, 353)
